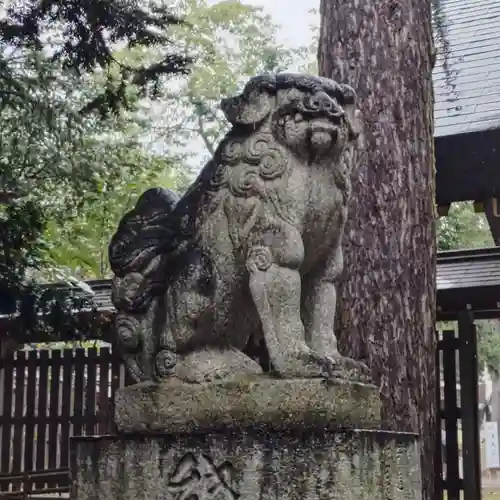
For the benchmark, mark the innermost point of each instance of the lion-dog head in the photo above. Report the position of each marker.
(314, 117)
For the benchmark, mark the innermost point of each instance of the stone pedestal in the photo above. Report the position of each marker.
(263, 439)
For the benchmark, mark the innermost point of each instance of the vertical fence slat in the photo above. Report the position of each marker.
(67, 382)
(53, 440)
(90, 392)
(7, 413)
(469, 403)
(43, 393)
(78, 396)
(116, 367)
(103, 408)
(29, 458)
(451, 411)
(17, 441)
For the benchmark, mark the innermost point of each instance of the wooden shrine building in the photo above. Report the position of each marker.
(467, 139)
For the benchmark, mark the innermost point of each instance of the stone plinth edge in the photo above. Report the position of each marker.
(263, 402)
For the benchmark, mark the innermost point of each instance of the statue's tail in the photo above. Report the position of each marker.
(137, 253)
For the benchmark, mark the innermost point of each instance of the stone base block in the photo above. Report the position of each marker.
(262, 401)
(248, 465)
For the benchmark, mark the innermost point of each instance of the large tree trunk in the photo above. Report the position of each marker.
(384, 48)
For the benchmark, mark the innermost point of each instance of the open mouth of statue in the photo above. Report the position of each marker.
(323, 135)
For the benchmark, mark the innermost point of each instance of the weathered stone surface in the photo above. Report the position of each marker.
(255, 402)
(251, 252)
(249, 465)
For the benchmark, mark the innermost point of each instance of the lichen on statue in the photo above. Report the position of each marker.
(251, 251)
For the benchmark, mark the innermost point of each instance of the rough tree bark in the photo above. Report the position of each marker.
(384, 49)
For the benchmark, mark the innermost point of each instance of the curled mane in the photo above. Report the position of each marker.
(242, 165)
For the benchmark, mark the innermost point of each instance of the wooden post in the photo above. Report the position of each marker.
(451, 415)
(469, 403)
(438, 457)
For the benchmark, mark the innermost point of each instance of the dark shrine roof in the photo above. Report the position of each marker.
(468, 268)
(467, 71)
(469, 278)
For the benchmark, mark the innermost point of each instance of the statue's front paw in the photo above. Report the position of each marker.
(305, 363)
(349, 370)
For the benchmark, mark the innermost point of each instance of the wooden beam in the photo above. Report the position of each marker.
(467, 166)
(443, 210)
(451, 419)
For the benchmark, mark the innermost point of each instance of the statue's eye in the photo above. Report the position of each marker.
(329, 105)
(314, 102)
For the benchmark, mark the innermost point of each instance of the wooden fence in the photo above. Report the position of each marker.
(49, 396)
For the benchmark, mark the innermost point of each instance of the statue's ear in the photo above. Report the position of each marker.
(248, 109)
(353, 115)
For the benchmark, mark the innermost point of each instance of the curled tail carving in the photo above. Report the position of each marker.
(138, 254)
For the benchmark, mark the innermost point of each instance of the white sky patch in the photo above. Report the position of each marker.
(293, 16)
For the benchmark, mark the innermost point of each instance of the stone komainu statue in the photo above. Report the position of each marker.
(251, 251)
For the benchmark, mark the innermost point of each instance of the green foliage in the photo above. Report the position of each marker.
(58, 159)
(232, 42)
(79, 247)
(463, 228)
(67, 170)
(80, 37)
(20, 227)
(308, 54)
(488, 349)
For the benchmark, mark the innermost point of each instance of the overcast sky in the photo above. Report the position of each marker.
(293, 16)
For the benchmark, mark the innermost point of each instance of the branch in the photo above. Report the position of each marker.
(204, 136)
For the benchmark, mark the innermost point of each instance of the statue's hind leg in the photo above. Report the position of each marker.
(204, 354)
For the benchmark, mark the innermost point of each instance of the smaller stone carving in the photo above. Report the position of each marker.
(198, 477)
